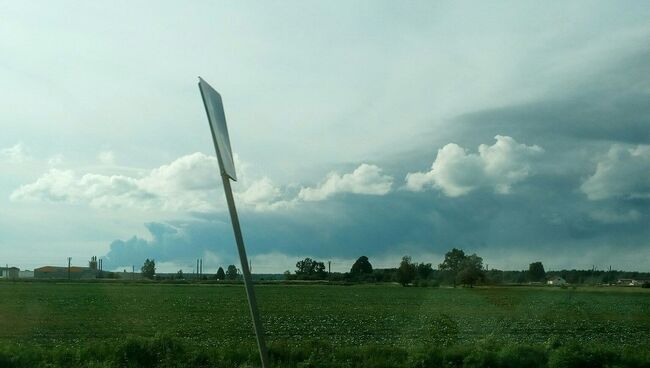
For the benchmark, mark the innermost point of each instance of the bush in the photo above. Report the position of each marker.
(165, 351)
(575, 355)
(522, 356)
(646, 285)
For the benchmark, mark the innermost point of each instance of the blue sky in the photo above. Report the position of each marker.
(517, 130)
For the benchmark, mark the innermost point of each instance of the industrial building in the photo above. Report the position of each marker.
(9, 272)
(73, 273)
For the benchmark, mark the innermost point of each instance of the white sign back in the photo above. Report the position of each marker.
(217, 119)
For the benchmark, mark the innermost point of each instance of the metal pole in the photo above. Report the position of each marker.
(248, 281)
(69, 259)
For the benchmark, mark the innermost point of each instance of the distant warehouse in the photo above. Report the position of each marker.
(76, 273)
(9, 272)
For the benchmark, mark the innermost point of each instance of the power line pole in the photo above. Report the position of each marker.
(69, 261)
(329, 268)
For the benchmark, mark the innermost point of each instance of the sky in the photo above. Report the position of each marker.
(519, 131)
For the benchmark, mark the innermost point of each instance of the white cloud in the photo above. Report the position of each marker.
(14, 154)
(263, 195)
(457, 172)
(366, 179)
(55, 160)
(106, 157)
(190, 183)
(622, 173)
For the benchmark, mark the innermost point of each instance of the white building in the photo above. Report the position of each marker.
(9, 272)
(556, 281)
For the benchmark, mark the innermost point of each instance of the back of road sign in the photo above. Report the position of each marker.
(217, 119)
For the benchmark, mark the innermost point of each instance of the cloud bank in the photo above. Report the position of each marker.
(366, 179)
(456, 172)
(189, 184)
(623, 173)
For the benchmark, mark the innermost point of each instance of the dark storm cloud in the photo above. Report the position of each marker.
(548, 216)
(611, 105)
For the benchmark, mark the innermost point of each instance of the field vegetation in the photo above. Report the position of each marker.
(372, 325)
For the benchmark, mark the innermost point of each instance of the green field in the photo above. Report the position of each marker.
(209, 316)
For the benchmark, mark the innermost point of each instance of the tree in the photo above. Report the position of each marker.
(179, 275)
(309, 268)
(471, 270)
(149, 268)
(406, 271)
(536, 271)
(221, 275)
(424, 270)
(361, 266)
(453, 263)
(231, 272)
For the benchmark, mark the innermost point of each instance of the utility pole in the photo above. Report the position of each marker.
(132, 272)
(329, 268)
(69, 261)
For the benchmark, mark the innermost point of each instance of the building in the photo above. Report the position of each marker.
(556, 281)
(74, 273)
(630, 282)
(26, 274)
(9, 272)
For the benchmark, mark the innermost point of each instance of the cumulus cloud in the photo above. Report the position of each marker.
(189, 184)
(457, 172)
(264, 195)
(14, 154)
(622, 173)
(365, 179)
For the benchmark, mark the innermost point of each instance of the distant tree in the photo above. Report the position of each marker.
(179, 275)
(149, 268)
(231, 272)
(406, 271)
(309, 268)
(471, 270)
(221, 275)
(536, 271)
(361, 266)
(452, 264)
(424, 270)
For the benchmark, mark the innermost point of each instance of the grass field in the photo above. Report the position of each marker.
(208, 315)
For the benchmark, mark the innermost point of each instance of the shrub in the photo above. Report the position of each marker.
(575, 355)
(522, 356)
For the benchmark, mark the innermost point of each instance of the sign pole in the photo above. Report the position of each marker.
(248, 280)
(217, 119)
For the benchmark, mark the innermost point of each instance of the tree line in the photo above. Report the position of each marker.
(457, 268)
